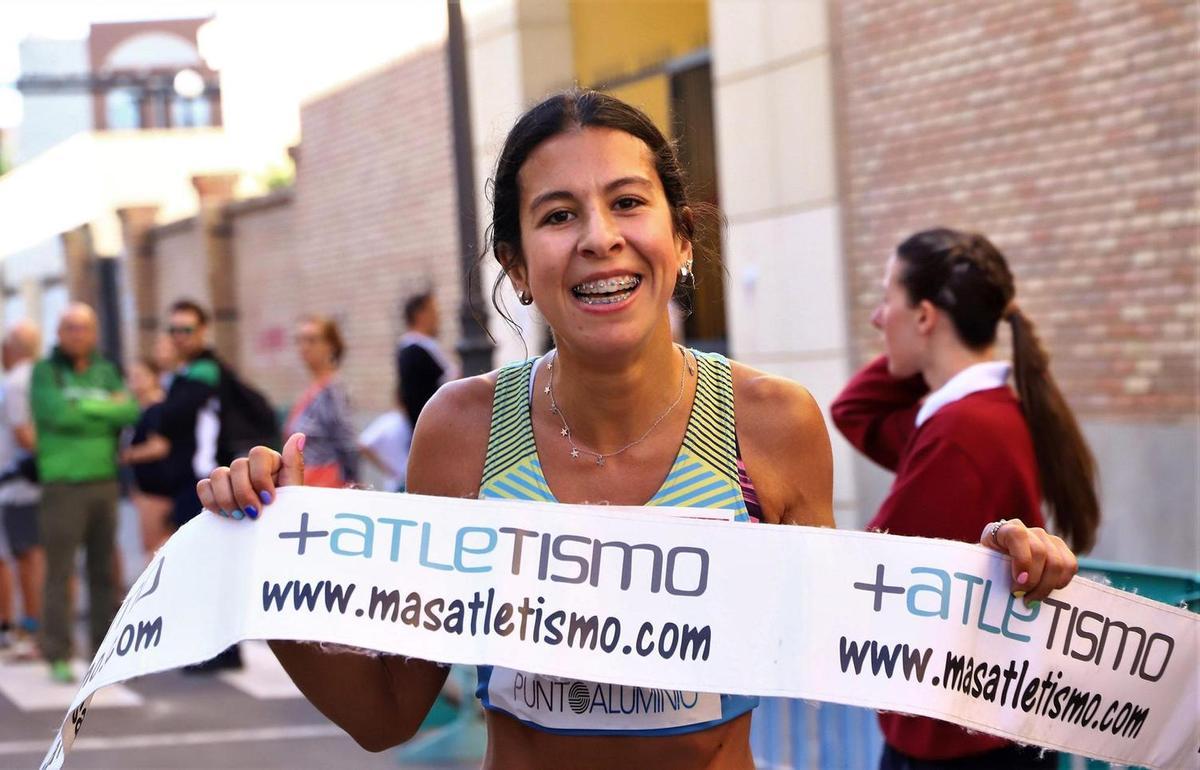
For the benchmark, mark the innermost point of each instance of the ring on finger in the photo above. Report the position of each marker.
(993, 530)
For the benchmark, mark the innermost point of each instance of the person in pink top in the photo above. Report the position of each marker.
(967, 450)
(322, 412)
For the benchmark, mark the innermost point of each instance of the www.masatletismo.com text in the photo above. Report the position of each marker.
(1010, 685)
(484, 614)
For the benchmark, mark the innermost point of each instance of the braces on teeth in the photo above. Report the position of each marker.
(605, 300)
(607, 285)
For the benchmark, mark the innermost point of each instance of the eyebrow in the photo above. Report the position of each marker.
(639, 181)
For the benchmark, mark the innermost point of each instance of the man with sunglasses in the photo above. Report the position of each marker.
(190, 413)
(191, 424)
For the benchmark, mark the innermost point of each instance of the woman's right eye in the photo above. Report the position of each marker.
(557, 217)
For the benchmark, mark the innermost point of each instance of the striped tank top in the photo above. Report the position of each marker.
(705, 474)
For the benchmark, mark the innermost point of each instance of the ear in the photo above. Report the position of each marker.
(686, 234)
(513, 266)
(926, 317)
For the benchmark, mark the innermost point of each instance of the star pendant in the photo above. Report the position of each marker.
(564, 432)
(574, 453)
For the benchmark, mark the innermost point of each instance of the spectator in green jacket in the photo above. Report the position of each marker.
(79, 406)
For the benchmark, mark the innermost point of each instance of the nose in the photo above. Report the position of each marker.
(877, 317)
(600, 237)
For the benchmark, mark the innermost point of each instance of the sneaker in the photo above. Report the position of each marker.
(60, 671)
(24, 649)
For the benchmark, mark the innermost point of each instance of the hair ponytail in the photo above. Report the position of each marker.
(967, 277)
(1065, 463)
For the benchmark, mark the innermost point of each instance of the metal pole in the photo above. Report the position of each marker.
(474, 347)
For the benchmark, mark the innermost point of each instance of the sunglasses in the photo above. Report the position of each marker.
(173, 330)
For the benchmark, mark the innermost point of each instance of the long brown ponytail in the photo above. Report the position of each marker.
(1065, 463)
(968, 278)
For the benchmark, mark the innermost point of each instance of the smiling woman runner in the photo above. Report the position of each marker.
(591, 221)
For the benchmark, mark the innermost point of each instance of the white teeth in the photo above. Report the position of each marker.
(608, 285)
(607, 299)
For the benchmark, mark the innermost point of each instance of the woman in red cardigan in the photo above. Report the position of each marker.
(966, 449)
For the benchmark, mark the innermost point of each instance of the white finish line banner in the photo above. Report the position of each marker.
(631, 596)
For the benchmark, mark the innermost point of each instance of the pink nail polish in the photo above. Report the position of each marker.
(300, 443)
(1022, 577)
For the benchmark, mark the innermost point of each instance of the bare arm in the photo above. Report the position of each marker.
(154, 448)
(785, 447)
(379, 700)
(26, 438)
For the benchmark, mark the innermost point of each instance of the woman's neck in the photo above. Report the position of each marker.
(612, 401)
(949, 361)
(322, 371)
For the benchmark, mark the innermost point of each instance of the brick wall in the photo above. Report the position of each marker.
(263, 238)
(1068, 133)
(370, 221)
(182, 265)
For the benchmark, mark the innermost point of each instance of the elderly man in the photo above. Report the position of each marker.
(79, 407)
(19, 494)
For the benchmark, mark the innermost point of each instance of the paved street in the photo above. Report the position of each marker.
(254, 718)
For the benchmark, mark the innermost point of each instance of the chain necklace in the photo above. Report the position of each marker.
(576, 449)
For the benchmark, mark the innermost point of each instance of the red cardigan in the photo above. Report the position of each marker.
(971, 463)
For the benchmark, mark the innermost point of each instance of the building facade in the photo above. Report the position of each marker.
(825, 132)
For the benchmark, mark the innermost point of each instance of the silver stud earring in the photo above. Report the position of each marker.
(525, 298)
(685, 270)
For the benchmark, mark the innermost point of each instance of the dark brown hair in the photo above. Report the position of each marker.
(193, 307)
(968, 278)
(330, 333)
(414, 305)
(572, 110)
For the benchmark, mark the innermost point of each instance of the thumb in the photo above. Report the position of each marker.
(291, 473)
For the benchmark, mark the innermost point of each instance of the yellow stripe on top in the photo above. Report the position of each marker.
(704, 474)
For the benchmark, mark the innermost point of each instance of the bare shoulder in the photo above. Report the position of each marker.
(785, 446)
(450, 439)
(773, 409)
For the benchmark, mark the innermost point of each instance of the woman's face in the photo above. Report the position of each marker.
(600, 254)
(898, 321)
(315, 351)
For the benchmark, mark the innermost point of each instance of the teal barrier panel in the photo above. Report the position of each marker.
(788, 734)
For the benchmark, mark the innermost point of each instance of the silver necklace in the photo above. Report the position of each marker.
(576, 450)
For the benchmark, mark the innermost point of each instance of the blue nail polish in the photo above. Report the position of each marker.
(237, 514)
(251, 511)
(265, 496)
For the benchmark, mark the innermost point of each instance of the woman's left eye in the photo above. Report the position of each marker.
(627, 203)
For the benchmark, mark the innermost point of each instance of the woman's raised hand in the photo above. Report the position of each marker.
(249, 483)
(1041, 562)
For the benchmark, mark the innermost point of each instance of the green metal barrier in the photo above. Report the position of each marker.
(1169, 586)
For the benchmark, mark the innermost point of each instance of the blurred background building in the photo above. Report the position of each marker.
(315, 168)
